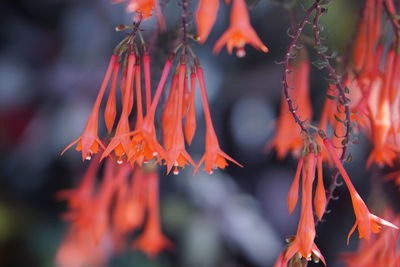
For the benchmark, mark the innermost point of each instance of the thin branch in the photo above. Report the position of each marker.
(343, 100)
(184, 20)
(288, 56)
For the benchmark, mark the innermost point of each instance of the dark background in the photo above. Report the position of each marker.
(53, 54)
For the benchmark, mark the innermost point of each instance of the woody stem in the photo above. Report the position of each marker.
(343, 100)
(286, 60)
(184, 17)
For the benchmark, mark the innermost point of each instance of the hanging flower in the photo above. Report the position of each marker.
(152, 241)
(177, 155)
(213, 157)
(382, 251)
(121, 140)
(367, 222)
(239, 32)
(144, 9)
(190, 121)
(144, 144)
(89, 141)
(303, 242)
(320, 194)
(205, 17)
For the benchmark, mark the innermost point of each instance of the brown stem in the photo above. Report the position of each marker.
(286, 60)
(184, 20)
(342, 98)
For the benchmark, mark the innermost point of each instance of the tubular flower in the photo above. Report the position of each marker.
(145, 9)
(79, 250)
(176, 154)
(366, 222)
(383, 251)
(213, 157)
(144, 140)
(376, 81)
(110, 111)
(152, 241)
(205, 16)
(130, 203)
(239, 32)
(190, 121)
(169, 114)
(286, 138)
(381, 123)
(120, 142)
(79, 197)
(303, 242)
(293, 194)
(93, 224)
(89, 141)
(320, 194)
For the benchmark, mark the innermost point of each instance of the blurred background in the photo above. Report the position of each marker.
(53, 55)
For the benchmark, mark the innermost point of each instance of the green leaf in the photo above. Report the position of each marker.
(344, 141)
(331, 97)
(321, 48)
(334, 54)
(349, 158)
(338, 119)
(320, 64)
(330, 81)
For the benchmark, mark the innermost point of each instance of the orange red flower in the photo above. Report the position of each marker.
(177, 155)
(213, 157)
(89, 142)
(287, 138)
(382, 251)
(152, 241)
(303, 242)
(239, 32)
(366, 222)
(205, 17)
(144, 9)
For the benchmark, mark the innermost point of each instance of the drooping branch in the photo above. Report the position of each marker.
(342, 99)
(288, 56)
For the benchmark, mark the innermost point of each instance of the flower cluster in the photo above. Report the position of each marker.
(374, 81)
(302, 243)
(237, 35)
(102, 215)
(383, 251)
(376, 90)
(139, 144)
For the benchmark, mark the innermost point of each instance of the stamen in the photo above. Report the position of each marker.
(240, 52)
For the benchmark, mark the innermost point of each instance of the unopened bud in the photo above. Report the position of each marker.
(120, 27)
